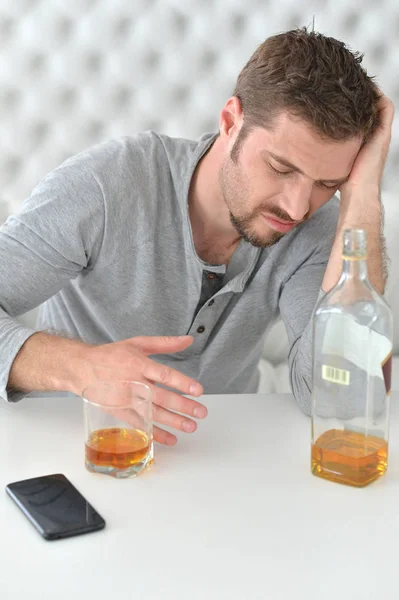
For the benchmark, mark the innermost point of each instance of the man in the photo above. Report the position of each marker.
(136, 242)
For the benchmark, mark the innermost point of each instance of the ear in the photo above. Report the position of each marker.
(231, 118)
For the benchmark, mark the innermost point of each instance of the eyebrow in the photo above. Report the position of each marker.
(289, 165)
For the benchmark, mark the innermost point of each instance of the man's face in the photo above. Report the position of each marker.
(279, 178)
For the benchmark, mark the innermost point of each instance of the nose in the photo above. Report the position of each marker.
(296, 199)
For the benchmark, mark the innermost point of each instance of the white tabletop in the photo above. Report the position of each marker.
(230, 512)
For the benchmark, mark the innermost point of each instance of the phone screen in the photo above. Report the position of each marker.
(55, 507)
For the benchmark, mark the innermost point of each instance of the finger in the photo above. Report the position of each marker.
(173, 401)
(171, 419)
(164, 437)
(170, 378)
(162, 344)
(130, 417)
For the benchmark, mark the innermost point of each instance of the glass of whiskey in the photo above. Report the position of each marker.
(118, 428)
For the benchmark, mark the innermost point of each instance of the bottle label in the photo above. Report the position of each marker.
(359, 345)
(335, 375)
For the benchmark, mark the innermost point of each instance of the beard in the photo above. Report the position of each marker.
(236, 191)
(245, 229)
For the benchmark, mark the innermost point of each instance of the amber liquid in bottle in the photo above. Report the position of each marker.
(117, 447)
(349, 457)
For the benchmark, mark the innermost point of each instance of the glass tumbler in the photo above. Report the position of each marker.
(118, 428)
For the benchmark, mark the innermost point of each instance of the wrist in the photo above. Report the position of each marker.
(73, 377)
(360, 195)
(360, 206)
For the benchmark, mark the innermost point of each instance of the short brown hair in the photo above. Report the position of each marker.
(314, 77)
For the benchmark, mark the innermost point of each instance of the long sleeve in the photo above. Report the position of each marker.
(299, 297)
(298, 302)
(54, 236)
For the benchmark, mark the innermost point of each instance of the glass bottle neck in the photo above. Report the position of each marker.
(355, 268)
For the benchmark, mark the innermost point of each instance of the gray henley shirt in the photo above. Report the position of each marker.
(104, 245)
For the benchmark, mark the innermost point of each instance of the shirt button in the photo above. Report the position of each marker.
(201, 329)
(211, 276)
(211, 302)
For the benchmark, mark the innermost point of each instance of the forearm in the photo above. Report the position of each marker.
(48, 363)
(362, 209)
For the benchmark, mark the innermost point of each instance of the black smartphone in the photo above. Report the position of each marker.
(55, 507)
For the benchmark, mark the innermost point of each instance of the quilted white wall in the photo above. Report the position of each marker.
(78, 72)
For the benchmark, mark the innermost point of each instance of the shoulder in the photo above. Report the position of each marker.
(320, 230)
(309, 243)
(119, 153)
(147, 157)
(149, 148)
(317, 234)
(104, 170)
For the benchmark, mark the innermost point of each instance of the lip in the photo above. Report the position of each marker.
(281, 226)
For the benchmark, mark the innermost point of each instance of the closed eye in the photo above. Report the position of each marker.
(279, 172)
(321, 184)
(326, 186)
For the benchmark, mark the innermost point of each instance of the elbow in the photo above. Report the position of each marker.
(301, 384)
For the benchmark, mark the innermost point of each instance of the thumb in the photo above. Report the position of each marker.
(162, 344)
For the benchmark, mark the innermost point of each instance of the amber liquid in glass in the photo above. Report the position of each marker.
(117, 447)
(349, 457)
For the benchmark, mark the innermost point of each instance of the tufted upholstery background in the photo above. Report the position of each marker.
(79, 72)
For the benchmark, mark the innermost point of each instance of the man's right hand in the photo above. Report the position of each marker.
(47, 363)
(129, 360)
